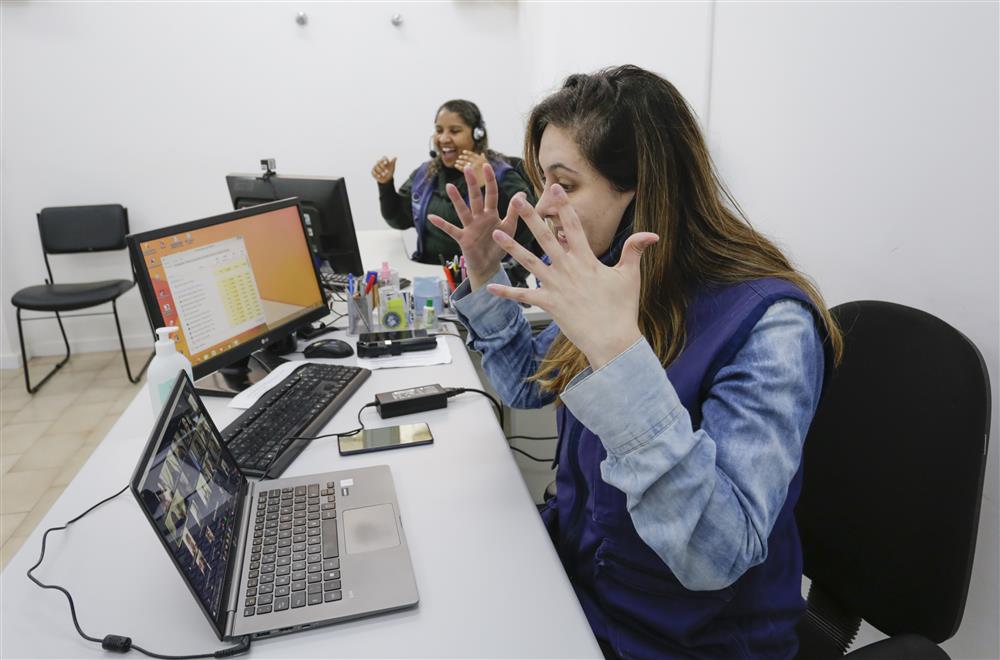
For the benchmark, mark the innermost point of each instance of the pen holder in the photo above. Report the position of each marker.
(359, 315)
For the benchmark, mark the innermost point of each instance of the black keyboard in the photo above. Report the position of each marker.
(266, 438)
(295, 560)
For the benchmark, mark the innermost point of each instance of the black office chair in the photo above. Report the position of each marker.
(65, 230)
(894, 465)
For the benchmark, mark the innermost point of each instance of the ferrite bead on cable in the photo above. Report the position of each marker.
(116, 643)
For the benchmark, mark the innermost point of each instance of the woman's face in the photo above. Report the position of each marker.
(451, 136)
(598, 205)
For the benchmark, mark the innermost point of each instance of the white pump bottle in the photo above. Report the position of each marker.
(164, 368)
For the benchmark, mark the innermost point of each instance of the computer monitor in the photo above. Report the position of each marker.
(233, 284)
(325, 207)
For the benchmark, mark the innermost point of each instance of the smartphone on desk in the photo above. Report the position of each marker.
(391, 437)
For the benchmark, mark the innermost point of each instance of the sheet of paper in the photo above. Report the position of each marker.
(440, 354)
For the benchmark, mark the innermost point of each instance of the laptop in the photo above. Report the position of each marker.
(269, 557)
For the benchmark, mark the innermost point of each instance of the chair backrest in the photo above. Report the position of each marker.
(893, 471)
(66, 229)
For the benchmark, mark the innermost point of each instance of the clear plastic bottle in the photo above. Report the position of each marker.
(164, 368)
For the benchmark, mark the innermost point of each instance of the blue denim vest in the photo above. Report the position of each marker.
(423, 187)
(630, 596)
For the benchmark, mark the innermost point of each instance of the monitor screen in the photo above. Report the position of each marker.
(325, 208)
(232, 283)
(190, 489)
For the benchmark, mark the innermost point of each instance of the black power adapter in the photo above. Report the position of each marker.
(414, 399)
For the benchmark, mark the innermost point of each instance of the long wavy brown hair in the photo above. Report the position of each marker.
(639, 133)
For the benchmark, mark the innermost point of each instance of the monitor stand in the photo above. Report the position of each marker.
(233, 379)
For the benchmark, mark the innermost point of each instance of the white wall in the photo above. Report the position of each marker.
(151, 105)
(862, 136)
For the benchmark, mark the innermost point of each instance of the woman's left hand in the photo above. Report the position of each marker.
(595, 306)
(476, 161)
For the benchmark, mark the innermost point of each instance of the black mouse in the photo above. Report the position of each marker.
(328, 348)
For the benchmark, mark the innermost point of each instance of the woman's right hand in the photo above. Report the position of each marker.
(384, 169)
(479, 220)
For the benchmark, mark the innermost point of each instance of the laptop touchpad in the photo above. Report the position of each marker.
(370, 528)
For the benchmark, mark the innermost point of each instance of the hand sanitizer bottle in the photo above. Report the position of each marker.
(164, 368)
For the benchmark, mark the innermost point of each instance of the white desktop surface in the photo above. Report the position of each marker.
(489, 580)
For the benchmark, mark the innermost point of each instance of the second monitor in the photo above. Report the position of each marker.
(325, 209)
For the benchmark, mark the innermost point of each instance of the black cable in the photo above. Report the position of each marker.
(455, 391)
(447, 334)
(120, 643)
(534, 458)
(532, 437)
(361, 427)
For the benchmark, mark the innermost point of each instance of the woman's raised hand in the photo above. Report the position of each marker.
(595, 306)
(477, 161)
(384, 169)
(479, 220)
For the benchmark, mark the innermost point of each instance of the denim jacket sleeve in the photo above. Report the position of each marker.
(499, 331)
(705, 500)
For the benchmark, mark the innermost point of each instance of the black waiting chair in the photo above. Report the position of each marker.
(66, 230)
(893, 477)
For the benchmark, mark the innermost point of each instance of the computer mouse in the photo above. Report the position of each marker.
(328, 348)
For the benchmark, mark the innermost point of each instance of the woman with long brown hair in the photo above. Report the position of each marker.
(687, 356)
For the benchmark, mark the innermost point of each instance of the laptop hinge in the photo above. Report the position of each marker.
(236, 579)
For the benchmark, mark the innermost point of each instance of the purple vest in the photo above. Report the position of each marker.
(423, 187)
(630, 596)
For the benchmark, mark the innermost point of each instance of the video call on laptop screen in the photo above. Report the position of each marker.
(190, 490)
(228, 283)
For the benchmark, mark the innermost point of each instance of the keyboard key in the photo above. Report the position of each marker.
(264, 609)
(313, 599)
(281, 591)
(248, 611)
(281, 604)
(331, 596)
(331, 564)
(298, 599)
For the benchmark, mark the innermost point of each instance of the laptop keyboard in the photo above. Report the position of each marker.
(295, 560)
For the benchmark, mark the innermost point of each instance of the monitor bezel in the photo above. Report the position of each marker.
(183, 386)
(270, 187)
(273, 336)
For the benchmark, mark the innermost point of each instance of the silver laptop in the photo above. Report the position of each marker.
(269, 557)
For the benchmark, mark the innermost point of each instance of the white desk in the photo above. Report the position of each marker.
(490, 582)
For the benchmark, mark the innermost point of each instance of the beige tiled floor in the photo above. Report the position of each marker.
(46, 438)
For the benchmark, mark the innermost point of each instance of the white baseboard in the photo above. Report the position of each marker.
(88, 345)
(10, 360)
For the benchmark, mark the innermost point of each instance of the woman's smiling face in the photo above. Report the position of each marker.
(451, 136)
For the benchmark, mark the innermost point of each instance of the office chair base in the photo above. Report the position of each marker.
(24, 355)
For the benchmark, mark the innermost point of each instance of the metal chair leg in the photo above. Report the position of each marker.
(121, 341)
(24, 355)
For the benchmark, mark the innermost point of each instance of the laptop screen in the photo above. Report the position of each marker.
(190, 488)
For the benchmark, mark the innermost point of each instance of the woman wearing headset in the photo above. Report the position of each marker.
(459, 140)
